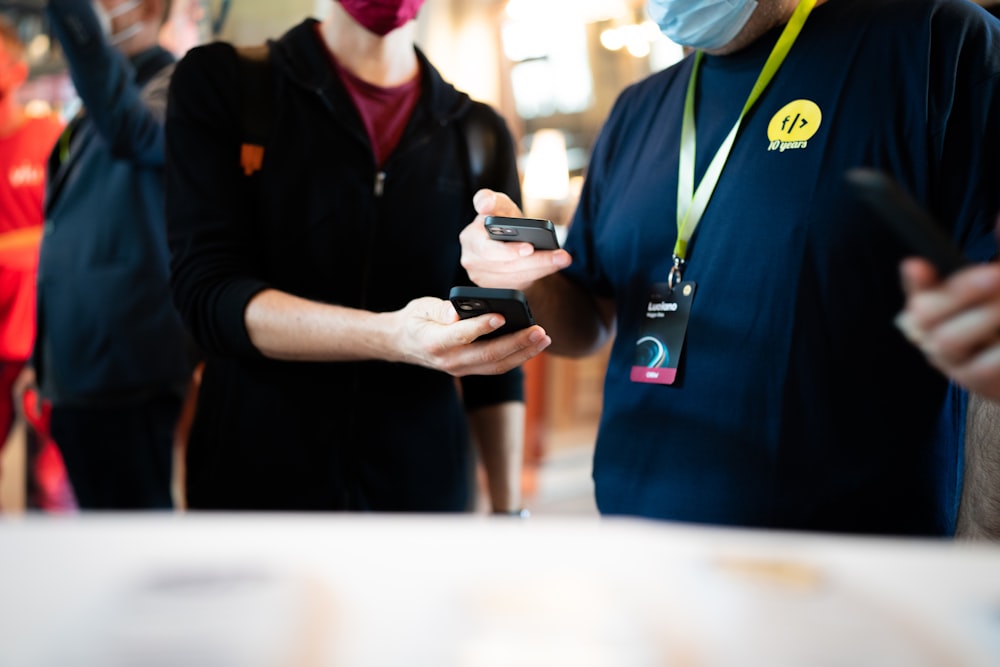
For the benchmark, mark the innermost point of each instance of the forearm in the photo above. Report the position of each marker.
(578, 323)
(979, 509)
(498, 431)
(130, 122)
(97, 71)
(75, 25)
(287, 327)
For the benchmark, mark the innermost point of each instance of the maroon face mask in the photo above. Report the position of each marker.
(382, 16)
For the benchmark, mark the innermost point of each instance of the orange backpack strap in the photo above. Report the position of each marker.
(257, 84)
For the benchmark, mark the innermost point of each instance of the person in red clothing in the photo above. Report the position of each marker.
(25, 143)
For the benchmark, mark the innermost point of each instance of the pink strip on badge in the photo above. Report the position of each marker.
(653, 375)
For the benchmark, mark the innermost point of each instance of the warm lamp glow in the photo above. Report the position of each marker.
(559, 10)
(546, 169)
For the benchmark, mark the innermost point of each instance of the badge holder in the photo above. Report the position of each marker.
(663, 328)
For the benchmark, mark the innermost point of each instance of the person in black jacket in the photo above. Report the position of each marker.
(315, 274)
(111, 354)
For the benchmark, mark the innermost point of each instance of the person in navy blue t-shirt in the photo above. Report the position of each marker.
(757, 378)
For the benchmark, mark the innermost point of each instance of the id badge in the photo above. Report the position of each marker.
(661, 334)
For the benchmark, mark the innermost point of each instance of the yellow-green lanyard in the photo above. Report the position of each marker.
(691, 203)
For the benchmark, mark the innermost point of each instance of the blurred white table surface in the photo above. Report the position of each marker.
(298, 590)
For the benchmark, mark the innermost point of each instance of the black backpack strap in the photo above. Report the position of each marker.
(256, 81)
(257, 85)
(481, 144)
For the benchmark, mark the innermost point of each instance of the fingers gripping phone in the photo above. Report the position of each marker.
(911, 223)
(511, 303)
(539, 233)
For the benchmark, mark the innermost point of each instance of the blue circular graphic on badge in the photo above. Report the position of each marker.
(651, 352)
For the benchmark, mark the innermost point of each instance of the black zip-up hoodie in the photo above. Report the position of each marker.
(320, 220)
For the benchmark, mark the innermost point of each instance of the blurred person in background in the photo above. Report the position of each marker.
(315, 277)
(111, 357)
(956, 324)
(25, 143)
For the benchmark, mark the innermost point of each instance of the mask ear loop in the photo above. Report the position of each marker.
(102, 17)
(126, 34)
(123, 8)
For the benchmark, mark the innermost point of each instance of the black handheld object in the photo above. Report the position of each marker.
(539, 233)
(911, 223)
(474, 301)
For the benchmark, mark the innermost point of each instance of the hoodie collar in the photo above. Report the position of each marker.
(303, 57)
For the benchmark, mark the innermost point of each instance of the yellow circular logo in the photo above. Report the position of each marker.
(795, 122)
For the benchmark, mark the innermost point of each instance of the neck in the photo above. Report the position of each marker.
(768, 15)
(382, 61)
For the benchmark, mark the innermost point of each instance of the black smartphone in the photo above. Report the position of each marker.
(910, 221)
(474, 301)
(536, 231)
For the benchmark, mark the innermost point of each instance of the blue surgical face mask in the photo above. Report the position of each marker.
(701, 24)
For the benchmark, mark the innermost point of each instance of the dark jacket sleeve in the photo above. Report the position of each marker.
(499, 172)
(211, 253)
(128, 119)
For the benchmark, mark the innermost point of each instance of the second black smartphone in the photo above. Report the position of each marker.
(536, 231)
(511, 303)
(922, 234)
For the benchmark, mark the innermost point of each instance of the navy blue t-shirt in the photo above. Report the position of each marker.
(797, 404)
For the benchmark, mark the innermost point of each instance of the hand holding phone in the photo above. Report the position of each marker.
(911, 223)
(474, 301)
(536, 231)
